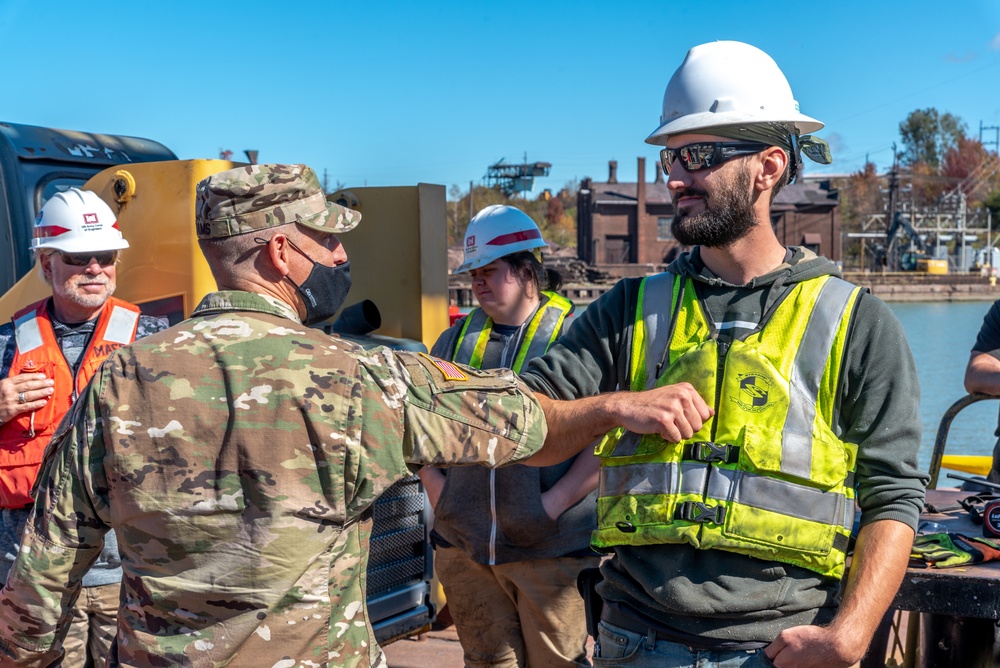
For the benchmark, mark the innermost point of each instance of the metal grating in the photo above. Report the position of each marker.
(399, 538)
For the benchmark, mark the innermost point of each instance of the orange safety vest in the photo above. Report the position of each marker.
(23, 439)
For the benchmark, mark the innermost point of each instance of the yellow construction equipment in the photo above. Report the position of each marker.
(398, 254)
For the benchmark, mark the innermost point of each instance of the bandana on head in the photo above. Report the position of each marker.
(783, 136)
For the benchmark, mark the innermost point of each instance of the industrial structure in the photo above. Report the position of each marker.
(945, 237)
(514, 179)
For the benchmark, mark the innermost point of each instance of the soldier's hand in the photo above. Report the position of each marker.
(23, 393)
(675, 412)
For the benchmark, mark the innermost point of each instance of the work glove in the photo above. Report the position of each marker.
(948, 550)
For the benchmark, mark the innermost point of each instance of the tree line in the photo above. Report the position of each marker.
(555, 213)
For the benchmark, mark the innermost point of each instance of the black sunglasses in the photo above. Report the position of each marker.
(104, 258)
(705, 155)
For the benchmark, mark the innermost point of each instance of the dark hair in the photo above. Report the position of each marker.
(526, 267)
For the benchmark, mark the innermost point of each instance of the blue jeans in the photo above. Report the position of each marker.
(619, 647)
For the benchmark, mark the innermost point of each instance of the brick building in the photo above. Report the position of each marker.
(629, 223)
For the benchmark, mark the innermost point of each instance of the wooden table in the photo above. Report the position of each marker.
(960, 604)
(972, 591)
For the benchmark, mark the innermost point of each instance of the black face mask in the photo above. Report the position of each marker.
(324, 290)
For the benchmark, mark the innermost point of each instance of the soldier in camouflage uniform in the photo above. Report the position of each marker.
(237, 455)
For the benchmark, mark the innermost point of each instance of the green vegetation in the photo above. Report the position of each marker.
(555, 214)
(928, 136)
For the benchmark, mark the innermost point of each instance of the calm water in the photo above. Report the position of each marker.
(941, 336)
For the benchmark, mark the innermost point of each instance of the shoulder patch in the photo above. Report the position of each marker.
(449, 370)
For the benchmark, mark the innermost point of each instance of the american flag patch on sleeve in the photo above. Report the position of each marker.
(450, 371)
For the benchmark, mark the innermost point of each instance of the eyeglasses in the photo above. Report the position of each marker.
(705, 155)
(329, 242)
(104, 258)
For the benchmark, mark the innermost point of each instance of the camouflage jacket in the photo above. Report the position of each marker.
(237, 456)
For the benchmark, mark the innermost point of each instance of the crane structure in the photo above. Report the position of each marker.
(513, 179)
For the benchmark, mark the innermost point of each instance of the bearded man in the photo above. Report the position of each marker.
(50, 351)
(786, 395)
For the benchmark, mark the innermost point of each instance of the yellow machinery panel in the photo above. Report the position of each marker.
(399, 257)
(974, 464)
(162, 270)
(933, 266)
(398, 253)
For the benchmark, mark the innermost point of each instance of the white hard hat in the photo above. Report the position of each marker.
(497, 231)
(77, 221)
(727, 83)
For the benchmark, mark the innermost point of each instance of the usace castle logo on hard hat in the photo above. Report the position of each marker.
(470, 241)
(91, 223)
(753, 393)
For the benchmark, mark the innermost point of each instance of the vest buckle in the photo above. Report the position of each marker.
(700, 512)
(709, 452)
(625, 527)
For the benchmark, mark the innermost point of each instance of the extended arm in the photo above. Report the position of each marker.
(982, 374)
(877, 568)
(673, 411)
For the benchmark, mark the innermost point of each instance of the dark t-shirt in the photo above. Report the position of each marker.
(988, 342)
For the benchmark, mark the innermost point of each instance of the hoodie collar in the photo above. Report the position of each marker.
(799, 264)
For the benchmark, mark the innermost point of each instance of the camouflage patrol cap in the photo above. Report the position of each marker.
(257, 197)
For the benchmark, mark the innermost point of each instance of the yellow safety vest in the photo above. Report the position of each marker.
(542, 330)
(766, 476)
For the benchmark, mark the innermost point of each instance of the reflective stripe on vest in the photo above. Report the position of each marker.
(766, 476)
(23, 439)
(541, 332)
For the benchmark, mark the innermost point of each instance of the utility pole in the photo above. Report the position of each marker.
(890, 214)
(524, 193)
(471, 208)
(996, 135)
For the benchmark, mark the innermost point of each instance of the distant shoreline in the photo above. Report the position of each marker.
(890, 287)
(919, 287)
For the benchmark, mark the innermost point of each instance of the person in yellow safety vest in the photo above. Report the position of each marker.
(50, 351)
(510, 543)
(786, 398)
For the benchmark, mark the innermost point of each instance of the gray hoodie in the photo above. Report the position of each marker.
(713, 598)
(496, 515)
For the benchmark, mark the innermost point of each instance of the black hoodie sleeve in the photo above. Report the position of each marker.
(592, 356)
(880, 411)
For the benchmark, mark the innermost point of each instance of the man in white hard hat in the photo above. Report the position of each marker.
(787, 396)
(50, 350)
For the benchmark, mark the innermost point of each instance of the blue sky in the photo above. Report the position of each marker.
(394, 93)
